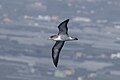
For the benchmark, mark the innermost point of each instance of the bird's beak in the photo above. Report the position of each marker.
(49, 38)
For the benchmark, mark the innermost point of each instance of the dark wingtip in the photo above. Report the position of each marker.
(55, 60)
(67, 20)
(55, 63)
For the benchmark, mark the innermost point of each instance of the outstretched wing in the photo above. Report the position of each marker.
(63, 27)
(56, 51)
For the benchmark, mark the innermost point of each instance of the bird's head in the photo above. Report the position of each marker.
(53, 37)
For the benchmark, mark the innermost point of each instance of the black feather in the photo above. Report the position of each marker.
(56, 51)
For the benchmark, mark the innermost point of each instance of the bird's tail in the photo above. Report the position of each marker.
(75, 38)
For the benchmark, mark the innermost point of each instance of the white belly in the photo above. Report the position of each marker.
(63, 38)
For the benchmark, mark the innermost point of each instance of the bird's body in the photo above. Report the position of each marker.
(63, 38)
(60, 40)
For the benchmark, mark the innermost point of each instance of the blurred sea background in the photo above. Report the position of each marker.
(25, 52)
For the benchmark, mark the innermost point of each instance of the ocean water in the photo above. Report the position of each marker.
(25, 51)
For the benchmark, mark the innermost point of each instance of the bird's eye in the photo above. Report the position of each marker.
(51, 36)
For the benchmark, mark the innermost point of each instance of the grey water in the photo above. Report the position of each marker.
(25, 51)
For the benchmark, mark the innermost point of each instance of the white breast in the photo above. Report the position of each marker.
(62, 38)
(58, 38)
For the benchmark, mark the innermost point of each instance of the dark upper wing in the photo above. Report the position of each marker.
(63, 27)
(56, 50)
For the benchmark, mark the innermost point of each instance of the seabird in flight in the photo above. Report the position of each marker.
(60, 40)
